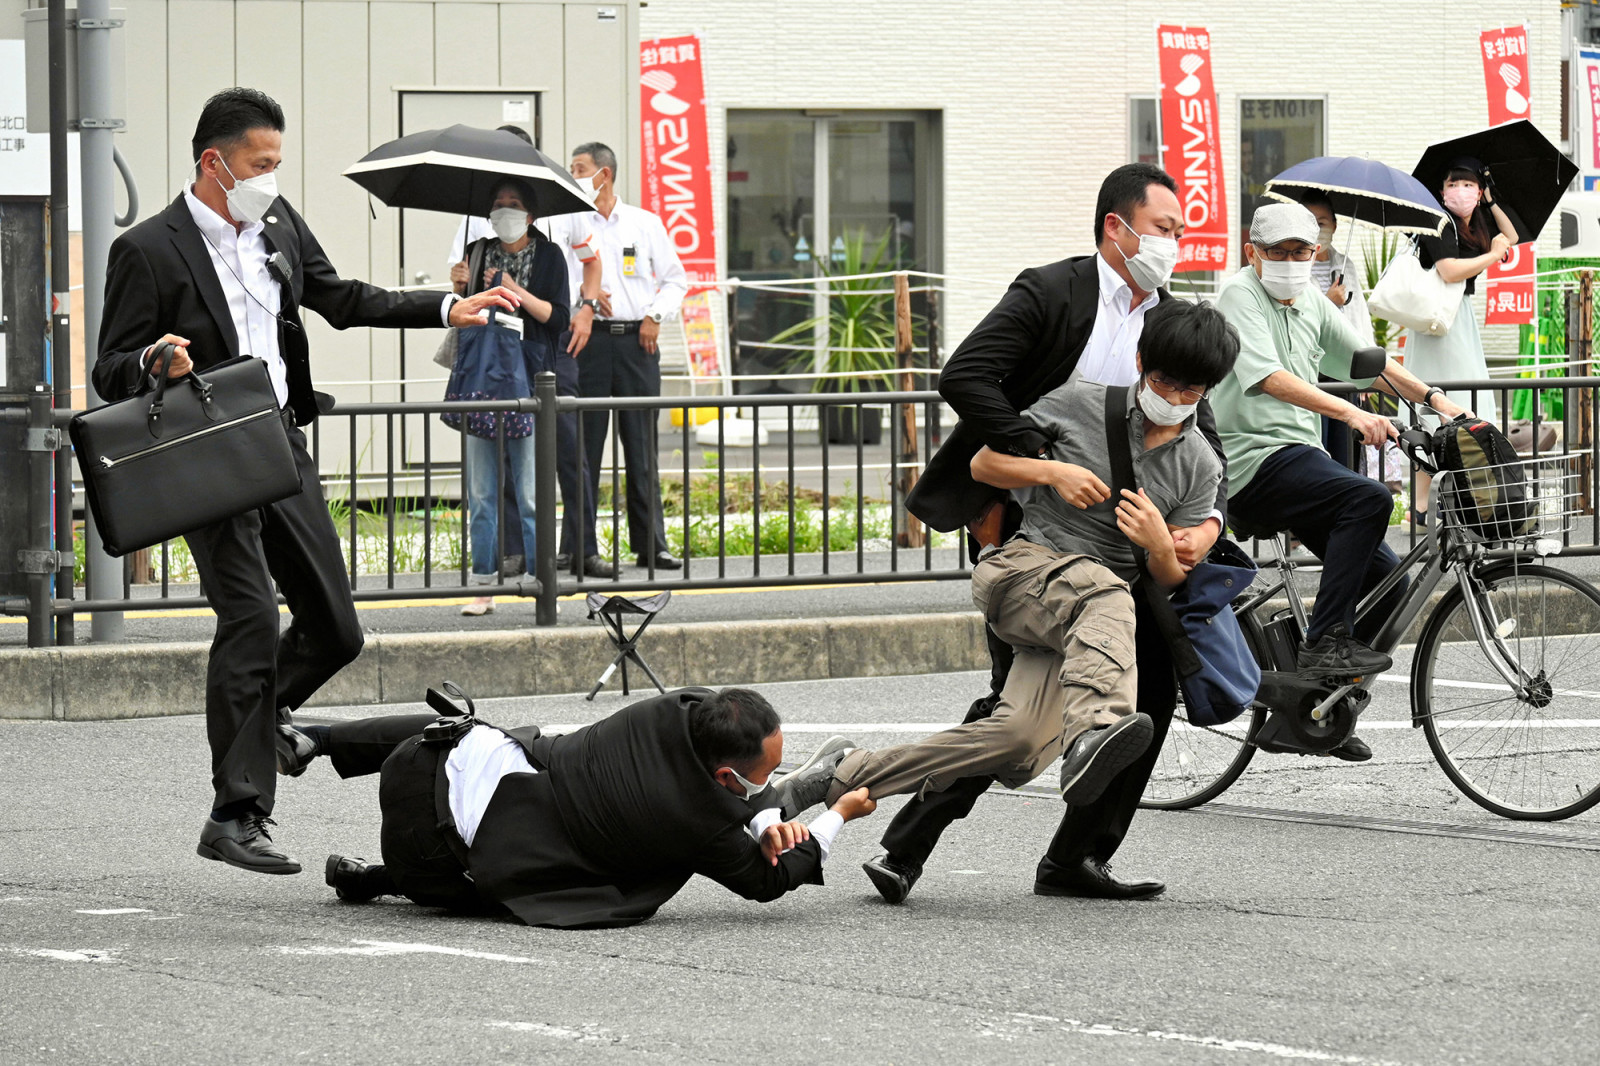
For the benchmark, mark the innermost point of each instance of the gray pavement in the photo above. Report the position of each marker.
(1277, 940)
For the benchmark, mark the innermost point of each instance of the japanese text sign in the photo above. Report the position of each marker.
(1510, 289)
(1190, 145)
(1505, 73)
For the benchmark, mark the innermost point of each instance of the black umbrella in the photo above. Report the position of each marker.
(1529, 173)
(457, 169)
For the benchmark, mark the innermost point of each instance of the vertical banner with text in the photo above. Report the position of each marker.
(1505, 73)
(1191, 149)
(1587, 76)
(676, 179)
(1510, 294)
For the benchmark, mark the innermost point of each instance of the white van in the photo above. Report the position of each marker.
(1579, 216)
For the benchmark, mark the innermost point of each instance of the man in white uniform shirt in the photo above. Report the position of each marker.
(645, 284)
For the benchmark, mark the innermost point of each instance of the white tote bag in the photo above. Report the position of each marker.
(1414, 297)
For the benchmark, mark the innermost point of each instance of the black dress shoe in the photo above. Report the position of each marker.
(598, 566)
(665, 560)
(295, 750)
(1092, 879)
(357, 880)
(245, 843)
(1352, 749)
(892, 879)
(564, 561)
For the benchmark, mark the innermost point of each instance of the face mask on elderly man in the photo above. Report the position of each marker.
(1285, 280)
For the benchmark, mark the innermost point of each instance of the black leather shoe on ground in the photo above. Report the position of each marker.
(1353, 749)
(356, 880)
(892, 879)
(597, 566)
(1337, 656)
(1093, 880)
(295, 751)
(1100, 754)
(245, 843)
(664, 561)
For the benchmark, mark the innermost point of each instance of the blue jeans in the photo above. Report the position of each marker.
(483, 492)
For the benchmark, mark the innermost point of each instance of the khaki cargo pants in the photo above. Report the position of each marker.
(1070, 620)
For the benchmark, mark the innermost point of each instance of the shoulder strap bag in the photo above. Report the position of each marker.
(1216, 671)
(1414, 296)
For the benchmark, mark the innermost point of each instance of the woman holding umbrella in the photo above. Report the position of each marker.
(1478, 235)
(533, 268)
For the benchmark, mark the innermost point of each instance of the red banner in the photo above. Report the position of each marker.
(1505, 73)
(1510, 291)
(1190, 146)
(676, 177)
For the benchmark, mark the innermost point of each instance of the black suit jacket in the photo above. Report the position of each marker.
(620, 817)
(1027, 346)
(160, 280)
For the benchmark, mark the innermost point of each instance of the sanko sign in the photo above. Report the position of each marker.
(677, 178)
(1190, 149)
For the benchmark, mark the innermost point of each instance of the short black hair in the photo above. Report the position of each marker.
(230, 115)
(729, 728)
(1191, 343)
(1316, 198)
(603, 156)
(523, 190)
(518, 130)
(1126, 188)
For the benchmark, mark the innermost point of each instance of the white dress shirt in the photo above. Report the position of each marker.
(485, 755)
(653, 283)
(254, 299)
(1108, 357)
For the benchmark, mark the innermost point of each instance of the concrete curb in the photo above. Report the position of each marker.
(138, 681)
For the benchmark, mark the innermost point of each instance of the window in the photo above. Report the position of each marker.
(1274, 134)
(1144, 130)
(803, 187)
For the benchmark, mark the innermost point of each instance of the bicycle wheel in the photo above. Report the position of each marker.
(1534, 755)
(1198, 763)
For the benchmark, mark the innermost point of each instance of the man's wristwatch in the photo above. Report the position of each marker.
(655, 316)
(1427, 397)
(593, 305)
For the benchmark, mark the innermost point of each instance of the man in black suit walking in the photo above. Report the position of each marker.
(594, 828)
(1080, 317)
(222, 273)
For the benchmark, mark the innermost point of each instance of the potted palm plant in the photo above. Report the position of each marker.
(859, 329)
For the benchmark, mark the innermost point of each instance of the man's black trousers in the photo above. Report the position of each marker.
(423, 856)
(254, 671)
(614, 365)
(1094, 830)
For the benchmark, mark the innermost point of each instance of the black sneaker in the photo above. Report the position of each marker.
(893, 879)
(1098, 755)
(1338, 656)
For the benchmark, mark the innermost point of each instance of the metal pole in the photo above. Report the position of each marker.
(60, 301)
(39, 569)
(544, 497)
(99, 211)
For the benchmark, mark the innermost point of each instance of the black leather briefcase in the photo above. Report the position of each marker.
(193, 452)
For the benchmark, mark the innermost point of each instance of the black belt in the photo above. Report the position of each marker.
(619, 327)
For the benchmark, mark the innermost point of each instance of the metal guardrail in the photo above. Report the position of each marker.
(422, 539)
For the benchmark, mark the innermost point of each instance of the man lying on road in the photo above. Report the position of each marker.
(597, 827)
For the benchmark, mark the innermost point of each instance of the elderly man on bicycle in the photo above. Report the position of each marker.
(1281, 478)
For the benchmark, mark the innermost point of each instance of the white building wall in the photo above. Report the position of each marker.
(1034, 93)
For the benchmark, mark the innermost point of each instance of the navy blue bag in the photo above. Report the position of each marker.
(1216, 671)
(489, 366)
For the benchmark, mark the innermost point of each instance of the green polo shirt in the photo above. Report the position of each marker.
(1305, 338)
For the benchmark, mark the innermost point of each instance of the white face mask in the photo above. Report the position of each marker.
(590, 185)
(1285, 280)
(510, 223)
(754, 794)
(1159, 410)
(1325, 236)
(1151, 267)
(248, 200)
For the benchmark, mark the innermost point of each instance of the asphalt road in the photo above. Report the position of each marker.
(1277, 940)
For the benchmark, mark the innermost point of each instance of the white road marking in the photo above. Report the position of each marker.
(384, 948)
(1444, 721)
(57, 955)
(118, 910)
(1492, 686)
(588, 1034)
(1281, 1051)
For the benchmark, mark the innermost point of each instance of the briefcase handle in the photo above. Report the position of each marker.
(163, 359)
